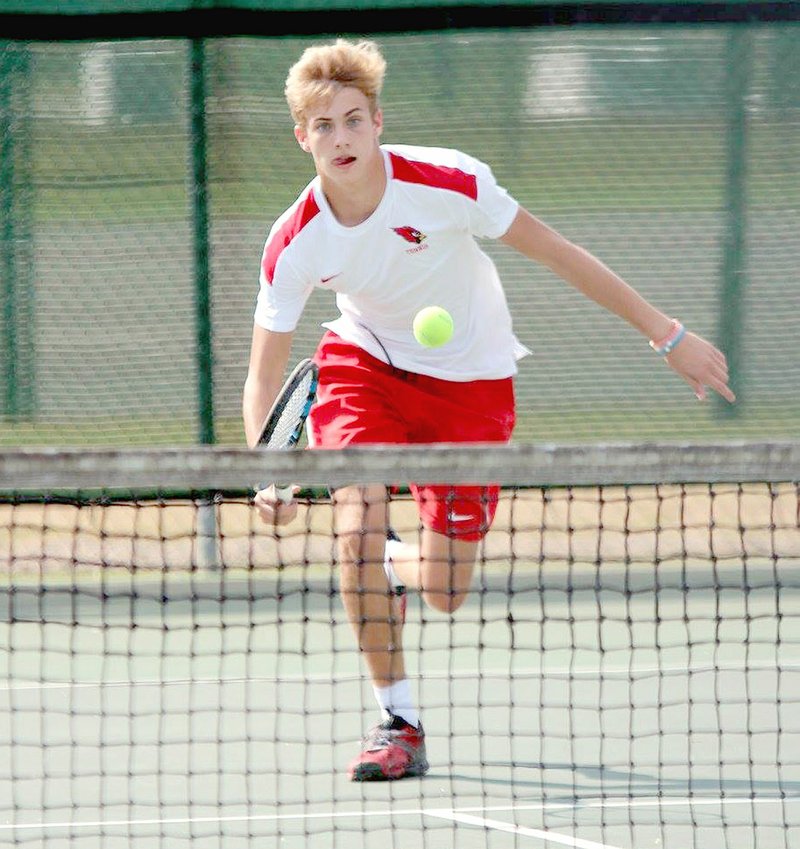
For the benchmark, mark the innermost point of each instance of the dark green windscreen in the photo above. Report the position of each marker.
(670, 152)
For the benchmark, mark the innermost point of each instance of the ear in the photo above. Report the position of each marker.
(302, 137)
(377, 122)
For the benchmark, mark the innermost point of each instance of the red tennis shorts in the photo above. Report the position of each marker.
(363, 401)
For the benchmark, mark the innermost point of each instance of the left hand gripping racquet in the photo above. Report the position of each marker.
(284, 423)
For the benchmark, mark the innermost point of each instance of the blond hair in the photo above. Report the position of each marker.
(323, 70)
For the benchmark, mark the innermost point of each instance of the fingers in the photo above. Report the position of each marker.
(719, 386)
(717, 379)
(702, 366)
(699, 389)
(271, 506)
(725, 391)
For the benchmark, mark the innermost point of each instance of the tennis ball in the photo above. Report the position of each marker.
(433, 326)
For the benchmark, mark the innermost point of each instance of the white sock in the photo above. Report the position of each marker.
(392, 546)
(396, 700)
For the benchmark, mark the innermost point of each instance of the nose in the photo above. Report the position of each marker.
(340, 136)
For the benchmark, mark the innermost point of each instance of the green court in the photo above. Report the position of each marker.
(615, 708)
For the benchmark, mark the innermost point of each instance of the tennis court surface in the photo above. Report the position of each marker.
(625, 673)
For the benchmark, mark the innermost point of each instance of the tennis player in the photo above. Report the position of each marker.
(392, 229)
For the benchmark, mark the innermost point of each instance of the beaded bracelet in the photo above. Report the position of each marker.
(666, 345)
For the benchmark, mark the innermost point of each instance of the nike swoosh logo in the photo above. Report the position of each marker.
(328, 279)
(459, 517)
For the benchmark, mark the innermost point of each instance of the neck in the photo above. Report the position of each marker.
(352, 204)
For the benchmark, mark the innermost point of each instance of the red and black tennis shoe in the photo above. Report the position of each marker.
(394, 749)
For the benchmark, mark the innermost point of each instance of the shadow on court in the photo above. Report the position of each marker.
(616, 782)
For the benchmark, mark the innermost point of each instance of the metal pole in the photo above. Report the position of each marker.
(7, 237)
(199, 142)
(734, 260)
(207, 549)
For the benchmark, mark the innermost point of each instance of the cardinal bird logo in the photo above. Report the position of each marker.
(410, 234)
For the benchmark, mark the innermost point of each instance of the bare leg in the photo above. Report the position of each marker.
(439, 567)
(360, 515)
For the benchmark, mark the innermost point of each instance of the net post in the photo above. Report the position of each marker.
(207, 544)
(207, 555)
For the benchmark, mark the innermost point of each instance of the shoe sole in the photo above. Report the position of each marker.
(373, 772)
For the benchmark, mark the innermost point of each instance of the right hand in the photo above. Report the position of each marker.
(272, 509)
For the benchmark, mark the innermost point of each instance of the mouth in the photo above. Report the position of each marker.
(343, 161)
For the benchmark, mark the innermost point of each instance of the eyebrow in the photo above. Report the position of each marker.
(346, 114)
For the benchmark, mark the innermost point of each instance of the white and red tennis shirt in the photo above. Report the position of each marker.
(417, 249)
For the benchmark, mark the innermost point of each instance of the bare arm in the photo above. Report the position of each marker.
(698, 362)
(269, 354)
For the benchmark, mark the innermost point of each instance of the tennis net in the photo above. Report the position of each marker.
(624, 673)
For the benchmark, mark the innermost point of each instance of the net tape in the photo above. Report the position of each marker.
(212, 468)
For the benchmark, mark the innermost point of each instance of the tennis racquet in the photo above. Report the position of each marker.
(284, 423)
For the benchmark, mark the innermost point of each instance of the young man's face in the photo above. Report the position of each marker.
(341, 135)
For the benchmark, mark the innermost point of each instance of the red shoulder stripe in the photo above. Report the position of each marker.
(438, 176)
(305, 211)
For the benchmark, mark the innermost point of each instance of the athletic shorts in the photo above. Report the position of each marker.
(363, 401)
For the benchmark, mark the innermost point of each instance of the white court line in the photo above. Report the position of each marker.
(544, 836)
(434, 812)
(434, 674)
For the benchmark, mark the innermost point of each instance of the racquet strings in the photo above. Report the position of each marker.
(292, 416)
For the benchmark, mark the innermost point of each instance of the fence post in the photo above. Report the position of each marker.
(7, 233)
(738, 66)
(202, 280)
(16, 287)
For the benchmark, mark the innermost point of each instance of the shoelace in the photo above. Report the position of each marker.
(379, 738)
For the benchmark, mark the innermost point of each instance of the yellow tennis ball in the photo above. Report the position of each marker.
(433, 326)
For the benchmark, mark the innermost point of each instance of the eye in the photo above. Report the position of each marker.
(353, 120)
(323, 126)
